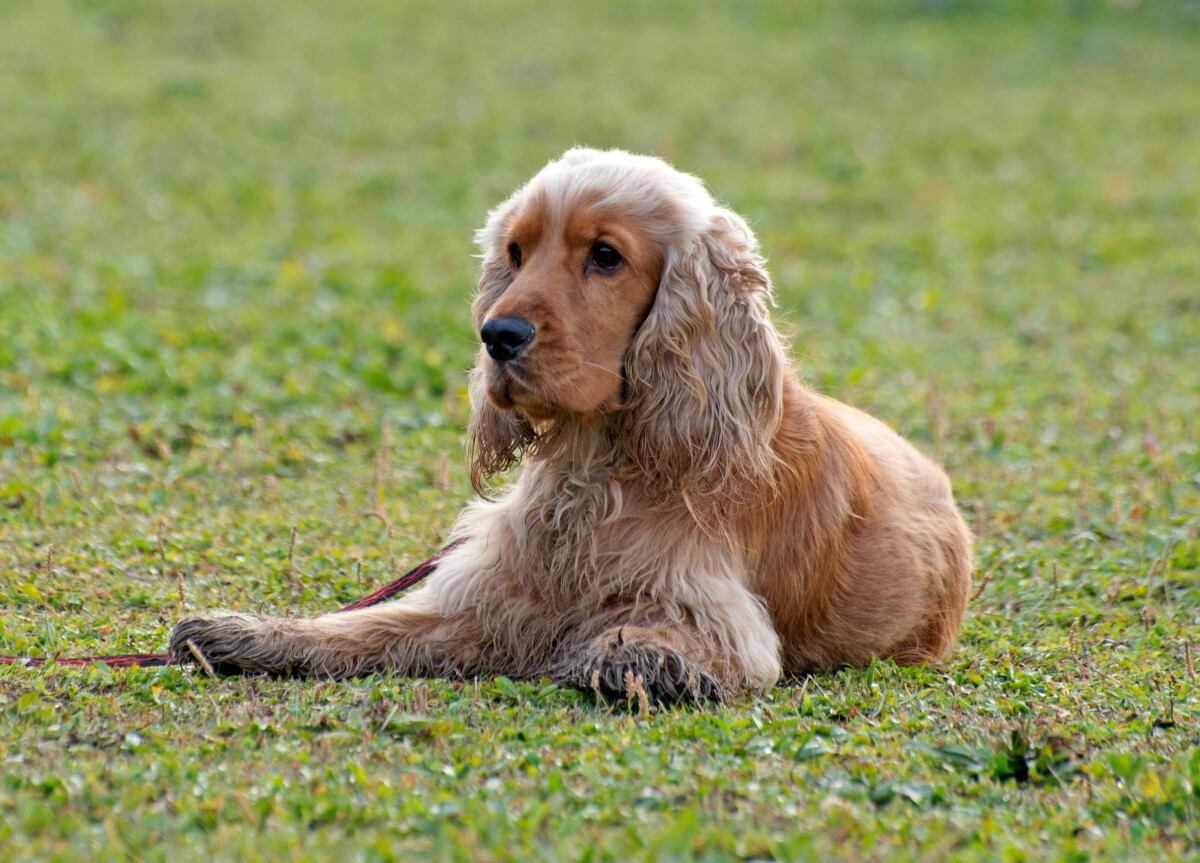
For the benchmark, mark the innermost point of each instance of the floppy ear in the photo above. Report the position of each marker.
(705, 372)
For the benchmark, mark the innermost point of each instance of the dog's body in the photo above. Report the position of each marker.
(689, 513)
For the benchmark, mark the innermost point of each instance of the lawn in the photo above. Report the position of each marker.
(235, 274)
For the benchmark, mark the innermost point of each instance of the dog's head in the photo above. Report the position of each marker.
(614, 287)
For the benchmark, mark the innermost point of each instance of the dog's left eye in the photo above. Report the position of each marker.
(514, 255)
(606, 257)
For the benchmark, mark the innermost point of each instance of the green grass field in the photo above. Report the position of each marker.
(235, 270)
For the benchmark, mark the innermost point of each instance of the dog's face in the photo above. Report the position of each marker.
(613, 285)
(582, 278)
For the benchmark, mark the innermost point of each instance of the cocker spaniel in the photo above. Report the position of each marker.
(690, 516)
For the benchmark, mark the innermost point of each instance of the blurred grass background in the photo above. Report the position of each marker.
(235, 271)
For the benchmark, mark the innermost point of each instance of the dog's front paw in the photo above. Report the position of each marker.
(662, 673)
(225, 643)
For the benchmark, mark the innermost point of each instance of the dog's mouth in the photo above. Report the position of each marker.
(510, 386)
(546, 391)
(501, 380)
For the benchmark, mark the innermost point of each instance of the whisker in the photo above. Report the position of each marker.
(603, 369)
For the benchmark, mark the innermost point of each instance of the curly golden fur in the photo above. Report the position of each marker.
(688, 513)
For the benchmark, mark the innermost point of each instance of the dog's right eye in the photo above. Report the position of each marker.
(514, 255)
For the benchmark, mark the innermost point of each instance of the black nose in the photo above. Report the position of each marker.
(506, 337)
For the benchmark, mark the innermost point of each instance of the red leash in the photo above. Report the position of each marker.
(155, 660)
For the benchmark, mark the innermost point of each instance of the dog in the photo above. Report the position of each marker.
(690, 516)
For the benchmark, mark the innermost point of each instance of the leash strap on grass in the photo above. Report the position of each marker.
(157, 660)
(127, 660)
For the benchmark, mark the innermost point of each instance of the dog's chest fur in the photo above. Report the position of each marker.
(582, 536)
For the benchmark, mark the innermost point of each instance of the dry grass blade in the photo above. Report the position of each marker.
(201, 658)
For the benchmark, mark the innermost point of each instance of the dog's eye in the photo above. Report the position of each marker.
(606, 257)
(514, 255)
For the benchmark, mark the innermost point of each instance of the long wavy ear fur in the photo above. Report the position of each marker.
(705, 373)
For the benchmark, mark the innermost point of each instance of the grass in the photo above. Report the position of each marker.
(235, 267)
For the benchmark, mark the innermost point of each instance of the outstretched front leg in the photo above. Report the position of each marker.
(409, 636)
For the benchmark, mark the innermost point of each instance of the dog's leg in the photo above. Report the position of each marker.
(715, 643)
(666, 665)
(469, 618)
(404, 636)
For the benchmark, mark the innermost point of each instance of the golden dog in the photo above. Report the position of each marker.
(689, 513)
